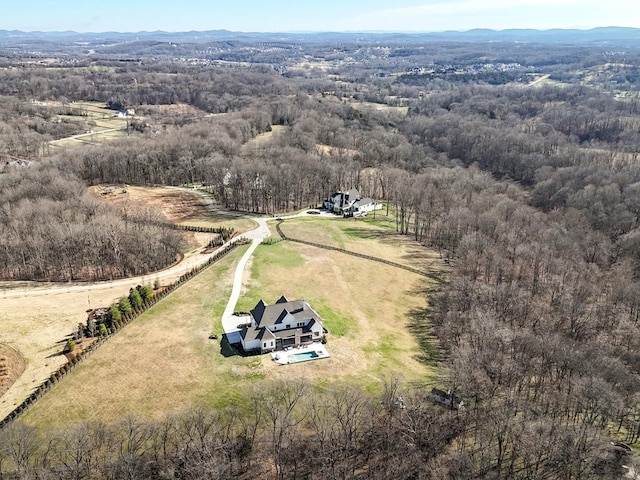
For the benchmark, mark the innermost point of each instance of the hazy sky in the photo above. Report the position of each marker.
(314, 15)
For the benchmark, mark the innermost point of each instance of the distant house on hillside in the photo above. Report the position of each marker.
(281, 325)
(350, 203)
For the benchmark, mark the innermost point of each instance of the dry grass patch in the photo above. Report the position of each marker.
(400, 112)
(163, 361)
(37, 326)
(178, 206)
(367, 236)
(160, 363)
(265, 138)
(12, 365)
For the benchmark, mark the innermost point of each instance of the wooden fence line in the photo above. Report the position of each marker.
(437, 276)
(64, 369)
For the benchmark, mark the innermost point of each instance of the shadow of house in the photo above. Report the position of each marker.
(227, 349)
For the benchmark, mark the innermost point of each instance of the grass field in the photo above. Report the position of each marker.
(37, 326)
(163, 362)
(97, 122)
(364, 107)
(264, 138)
(158, 364)
(368, 236)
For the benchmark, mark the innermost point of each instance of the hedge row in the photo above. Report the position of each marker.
(226, 232)
(148, 303)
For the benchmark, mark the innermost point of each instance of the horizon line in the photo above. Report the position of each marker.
(329, 31)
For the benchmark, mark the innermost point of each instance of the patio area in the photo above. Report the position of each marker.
(305, 353)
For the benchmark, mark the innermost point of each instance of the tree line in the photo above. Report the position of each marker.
(283, 431)
(52, 229)
(530, 194)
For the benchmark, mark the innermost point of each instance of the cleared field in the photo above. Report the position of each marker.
(380, 107)
(264, 138)
(99, 122)
(177, 206)
(159, 363)
(367, 236)
(164, 362)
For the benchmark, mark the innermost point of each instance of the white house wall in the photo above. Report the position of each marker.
(252, 345)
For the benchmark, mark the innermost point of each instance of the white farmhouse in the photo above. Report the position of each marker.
(350, 204)
(281, 325)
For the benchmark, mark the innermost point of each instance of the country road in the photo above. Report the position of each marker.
(190, 260)
(538, 80)
(88, 134)
(36, 318)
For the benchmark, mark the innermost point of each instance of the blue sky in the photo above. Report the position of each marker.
(313, 15)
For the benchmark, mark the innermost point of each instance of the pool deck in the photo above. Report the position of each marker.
(282, 356)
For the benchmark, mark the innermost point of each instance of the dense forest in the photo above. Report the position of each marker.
(531, 193)
(54, 229)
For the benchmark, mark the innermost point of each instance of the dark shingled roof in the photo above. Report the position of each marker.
(258, 310)
(265, 315)
(259, 333)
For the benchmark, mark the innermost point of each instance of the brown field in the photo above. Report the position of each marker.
(163, 362)
(364, 235)
(37, 325)
(264, 138)
(179, 206)
(12, 365)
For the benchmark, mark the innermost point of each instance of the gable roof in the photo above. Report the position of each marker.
(259, 333)
(282, 299)
(363, 201)
(265, 315)
(258, 310)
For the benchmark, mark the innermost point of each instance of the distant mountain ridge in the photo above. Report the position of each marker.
(601, 35)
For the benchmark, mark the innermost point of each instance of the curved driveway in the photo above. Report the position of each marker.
(257, 235)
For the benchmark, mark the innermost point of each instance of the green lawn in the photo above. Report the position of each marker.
(164, 362)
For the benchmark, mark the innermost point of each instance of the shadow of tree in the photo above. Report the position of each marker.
(420, 326)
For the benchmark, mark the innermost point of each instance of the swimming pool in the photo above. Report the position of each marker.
(302, 357)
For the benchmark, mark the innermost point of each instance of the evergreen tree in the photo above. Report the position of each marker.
(145, 291)
(114, 314)
(124, 306)
(134, 298)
